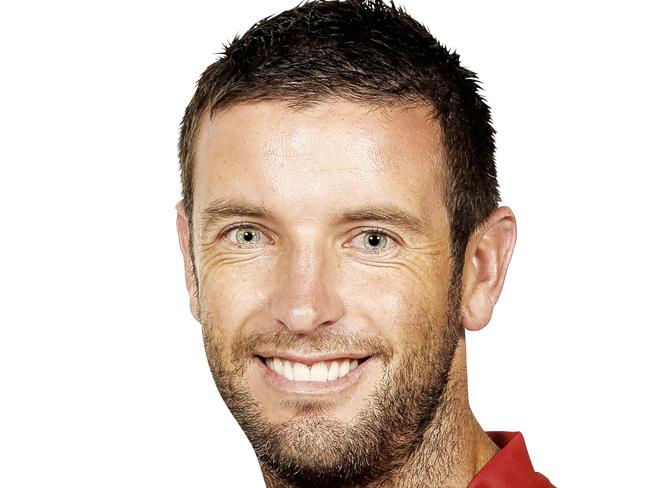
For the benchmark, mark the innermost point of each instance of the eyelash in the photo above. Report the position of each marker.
(365, 230)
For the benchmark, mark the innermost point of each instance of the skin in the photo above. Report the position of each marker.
(312, 282)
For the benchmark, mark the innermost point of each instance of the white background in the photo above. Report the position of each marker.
(103, 379)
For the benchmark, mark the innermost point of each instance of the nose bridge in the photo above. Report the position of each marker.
(306, 295)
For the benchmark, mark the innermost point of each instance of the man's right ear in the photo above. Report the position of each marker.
(183, 230)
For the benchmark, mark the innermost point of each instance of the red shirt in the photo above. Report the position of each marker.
(510, 467)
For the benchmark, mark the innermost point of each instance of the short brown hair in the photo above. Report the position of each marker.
(363, 51)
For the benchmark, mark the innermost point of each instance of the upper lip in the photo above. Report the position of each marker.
(309, 359)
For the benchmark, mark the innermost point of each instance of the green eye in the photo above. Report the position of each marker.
(375, 241)
(244, 236)
(247, 235)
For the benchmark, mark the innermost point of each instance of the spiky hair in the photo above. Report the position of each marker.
(365, 51)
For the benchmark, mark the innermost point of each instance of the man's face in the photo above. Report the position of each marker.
(341, 259)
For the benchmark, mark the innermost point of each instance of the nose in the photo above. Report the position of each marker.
(306, 293)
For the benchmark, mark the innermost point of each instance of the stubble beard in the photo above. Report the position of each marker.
(316, 451)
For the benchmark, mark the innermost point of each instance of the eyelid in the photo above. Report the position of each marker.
(237, 226)
(378, 230)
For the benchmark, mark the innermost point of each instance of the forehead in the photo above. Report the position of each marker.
(321, 159)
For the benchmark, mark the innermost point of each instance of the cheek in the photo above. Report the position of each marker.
(229, 296)
(398, 299)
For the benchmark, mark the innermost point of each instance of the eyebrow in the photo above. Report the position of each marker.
(221, 209)
(387, 214)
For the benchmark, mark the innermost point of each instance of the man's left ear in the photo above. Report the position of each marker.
(487, 257)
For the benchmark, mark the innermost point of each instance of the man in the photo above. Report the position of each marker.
(340, 229)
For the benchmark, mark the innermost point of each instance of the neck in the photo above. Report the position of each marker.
(453, 449)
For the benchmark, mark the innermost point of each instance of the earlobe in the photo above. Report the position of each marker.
(182, 227)
(486, 263)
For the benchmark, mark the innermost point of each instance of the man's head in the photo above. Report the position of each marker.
(339, 210)
(367, 52)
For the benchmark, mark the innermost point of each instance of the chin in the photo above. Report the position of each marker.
(312, 450)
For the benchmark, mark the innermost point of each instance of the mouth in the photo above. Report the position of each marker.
(316, 375)
(321, 371)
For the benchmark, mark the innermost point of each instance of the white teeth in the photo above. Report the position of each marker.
(300, 372)
(344, 368)
(288, 370)
(270, 362)
(296, 371)
(278, 366)
(318, 372)
(333, 372)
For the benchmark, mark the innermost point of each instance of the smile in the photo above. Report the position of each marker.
(320, 371)
(316, 375)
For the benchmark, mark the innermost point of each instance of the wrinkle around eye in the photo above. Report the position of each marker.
(211, 261)
(418, 265)
(216, 253)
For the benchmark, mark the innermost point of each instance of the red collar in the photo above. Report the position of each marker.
(510, 467)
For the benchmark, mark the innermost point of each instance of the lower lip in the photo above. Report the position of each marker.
(313, 388)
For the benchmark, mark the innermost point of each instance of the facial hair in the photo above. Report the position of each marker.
(316, 451)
